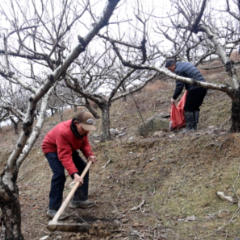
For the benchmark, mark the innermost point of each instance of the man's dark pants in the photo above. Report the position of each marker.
(59, 178)
(195, 99)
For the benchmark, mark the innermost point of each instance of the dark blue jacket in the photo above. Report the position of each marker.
(186, 69)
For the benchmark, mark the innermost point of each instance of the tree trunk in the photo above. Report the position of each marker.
(75, 108)
(15, 124)
(105, 108)
(16, 128)
(235, 114)
(11, 211)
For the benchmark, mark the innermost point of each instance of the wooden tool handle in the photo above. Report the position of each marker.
(66, 201)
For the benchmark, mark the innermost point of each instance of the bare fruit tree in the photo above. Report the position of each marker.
(36, 55)
(102, 79)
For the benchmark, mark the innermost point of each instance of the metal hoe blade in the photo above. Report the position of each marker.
(68, 227)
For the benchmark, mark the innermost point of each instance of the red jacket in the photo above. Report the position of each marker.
(62, 141)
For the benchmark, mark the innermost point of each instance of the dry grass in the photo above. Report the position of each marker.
(164, 179)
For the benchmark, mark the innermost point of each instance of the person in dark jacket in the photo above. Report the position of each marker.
(195, 94)
(60, 147)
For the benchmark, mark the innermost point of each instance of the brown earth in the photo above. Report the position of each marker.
(156, 187)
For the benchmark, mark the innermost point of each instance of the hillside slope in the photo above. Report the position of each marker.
(157, 187)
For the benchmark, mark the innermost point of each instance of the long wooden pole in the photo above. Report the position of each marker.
(66, 201)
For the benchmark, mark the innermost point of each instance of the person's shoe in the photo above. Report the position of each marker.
(51, 213)
(189, 119)
(82, 204)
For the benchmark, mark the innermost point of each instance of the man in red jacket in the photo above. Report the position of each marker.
(60, 147)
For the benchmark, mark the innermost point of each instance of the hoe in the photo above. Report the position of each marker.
(54, 225)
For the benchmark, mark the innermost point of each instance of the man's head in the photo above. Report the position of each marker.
(84, 122)
(170, 65)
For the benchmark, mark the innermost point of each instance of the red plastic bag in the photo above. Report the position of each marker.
(177, 119)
